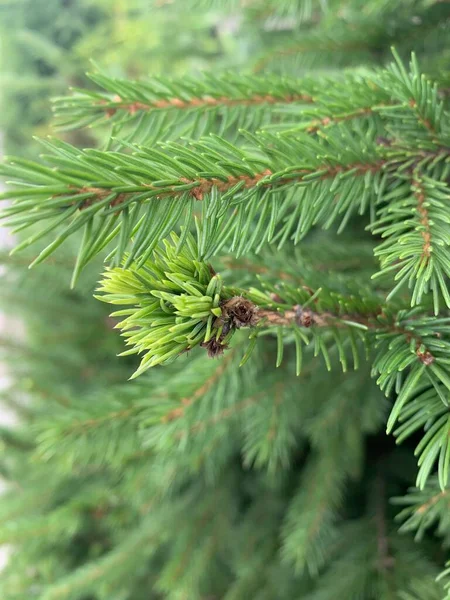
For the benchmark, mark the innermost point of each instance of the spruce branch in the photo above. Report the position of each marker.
(424, 509)
(420, 98)
(140, 542)
(143, 196)
(189, 106)
(177, 302)
(416, 247)
(145, 111)
(276, 189)
(270, 430)
(103, 433)
(309, 527)
(199, 392)
(356, 99)
(61, 523)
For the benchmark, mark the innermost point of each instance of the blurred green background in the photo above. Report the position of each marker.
(48, 45)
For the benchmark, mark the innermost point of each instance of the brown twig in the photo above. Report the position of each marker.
(309, 318)
(315, 125)
(202, 186)
(202, 102)
(425, 122)
(432, 501)
(419, 194)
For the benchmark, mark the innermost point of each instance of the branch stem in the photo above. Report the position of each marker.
(132, 107)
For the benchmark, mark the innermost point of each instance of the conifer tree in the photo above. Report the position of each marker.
(275, 246)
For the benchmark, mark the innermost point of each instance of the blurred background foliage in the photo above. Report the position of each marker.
(48, 45)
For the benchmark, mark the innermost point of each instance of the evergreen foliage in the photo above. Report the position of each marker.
(276, 249)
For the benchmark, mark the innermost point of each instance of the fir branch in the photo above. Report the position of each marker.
(222, 412)
(198, 296)
(272, 428)
(145, 195)
(132, 107)
(434, 445)
(201, 537)
(198, 188)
